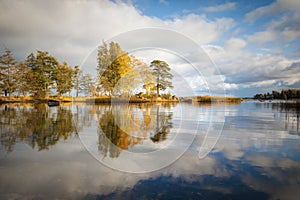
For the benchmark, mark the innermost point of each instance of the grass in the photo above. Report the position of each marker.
(29, 99)
(219, 99)
(213, 99)
(108, 99)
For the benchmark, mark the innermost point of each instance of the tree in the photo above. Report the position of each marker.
(115, 65)
(77, 75)
(63, 78)
(24, 78)
(107, 68)
(43, 67)
(7, 72)
(163, 77)
(146, 75)
(87, 84)
(127, 75)
(276, 95)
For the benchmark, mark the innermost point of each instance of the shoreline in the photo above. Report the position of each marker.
(107, 99)
(87, 100)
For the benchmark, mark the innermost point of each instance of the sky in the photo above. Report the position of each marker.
(250, 46)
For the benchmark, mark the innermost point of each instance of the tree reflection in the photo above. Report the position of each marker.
(163, 126)
(291, 111)
(123, 126)
(38, 125)
(120, 127)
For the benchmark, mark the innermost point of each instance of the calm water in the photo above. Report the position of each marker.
(176, 151)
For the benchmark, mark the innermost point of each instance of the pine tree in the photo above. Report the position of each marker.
(63, 78)
(7, 73)
(24, 78)
(162, 74)
(44, 67)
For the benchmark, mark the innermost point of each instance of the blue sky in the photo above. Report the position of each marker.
(254, 44)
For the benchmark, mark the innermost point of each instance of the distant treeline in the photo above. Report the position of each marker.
(284, 94)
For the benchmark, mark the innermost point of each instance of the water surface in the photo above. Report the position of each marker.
(65, 152)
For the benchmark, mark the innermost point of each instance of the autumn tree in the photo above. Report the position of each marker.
(162, 74)
(116, 71)
(128, 76)
(63, 78)
(108, 72)
(7, 72)
(146, 75)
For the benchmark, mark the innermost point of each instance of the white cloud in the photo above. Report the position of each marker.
(230, 86)
(283, 28)
(273, 9)
(235, 44)
(262, 37)
(70, 30)
(245, 69)
(222, 7)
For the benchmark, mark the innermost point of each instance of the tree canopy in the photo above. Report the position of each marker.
(162, 74)
(118, 74)
(284, 94)
(8, 73)
(37, 75)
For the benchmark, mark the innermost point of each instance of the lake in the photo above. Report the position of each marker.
(150, 151)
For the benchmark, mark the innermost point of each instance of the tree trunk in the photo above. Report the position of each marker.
(77, 92)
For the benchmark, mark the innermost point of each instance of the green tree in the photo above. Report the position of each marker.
(163, 125)
(107, 74)
(276, 94)
(77, 75)
(24, 78)
(63, 78)
(43, 67)
(162, 74)
(7, 72)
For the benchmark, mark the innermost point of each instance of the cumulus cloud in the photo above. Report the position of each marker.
(70, 30)
(244, 69)
(283, 28)
(262, 37)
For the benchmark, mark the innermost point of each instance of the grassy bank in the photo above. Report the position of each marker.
(29, 99)
(133, 99)
(107, 99)
(90, 100)
(212, 99)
